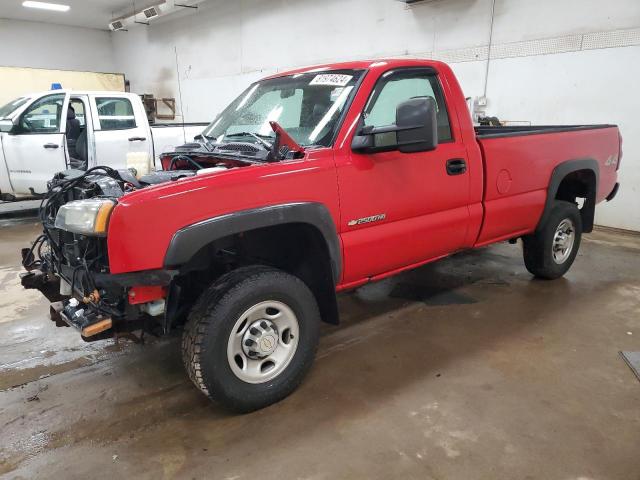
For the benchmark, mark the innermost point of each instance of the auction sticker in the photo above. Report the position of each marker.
(333, 79)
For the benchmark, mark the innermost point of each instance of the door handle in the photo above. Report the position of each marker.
(137, 139)
(456, 166)
(50, 145)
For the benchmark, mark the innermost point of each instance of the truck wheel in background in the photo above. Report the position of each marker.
(550, 251)
(251, 337)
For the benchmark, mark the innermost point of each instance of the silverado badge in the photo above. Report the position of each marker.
(372, 218)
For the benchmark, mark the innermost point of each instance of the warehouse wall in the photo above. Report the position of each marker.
(43, 45)
(552, 61)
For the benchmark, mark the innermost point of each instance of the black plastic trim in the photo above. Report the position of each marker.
(613, 192)
(558, 174)
(486, 132)
(158, 277)
(189, 240)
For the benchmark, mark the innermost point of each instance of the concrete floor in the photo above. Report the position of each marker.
(465, 369)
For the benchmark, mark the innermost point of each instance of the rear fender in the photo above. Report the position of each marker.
(559, 173)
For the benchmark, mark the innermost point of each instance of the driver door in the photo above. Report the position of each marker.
(402, 209)
(35, 149)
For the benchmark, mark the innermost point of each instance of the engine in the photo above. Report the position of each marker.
(69, 261)
(72, 249)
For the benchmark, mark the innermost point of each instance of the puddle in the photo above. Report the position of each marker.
(431, 295)
(15, 300)
(17, 377)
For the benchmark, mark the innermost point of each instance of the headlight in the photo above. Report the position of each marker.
(88, 217)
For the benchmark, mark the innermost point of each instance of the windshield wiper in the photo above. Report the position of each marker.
(239, 134)
(205, 141)
(260, 138)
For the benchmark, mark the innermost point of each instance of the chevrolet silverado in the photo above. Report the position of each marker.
(311, 182)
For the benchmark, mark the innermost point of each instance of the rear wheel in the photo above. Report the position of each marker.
(551, 250)
(251, 337)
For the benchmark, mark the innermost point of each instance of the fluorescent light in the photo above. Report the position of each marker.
(46, 6)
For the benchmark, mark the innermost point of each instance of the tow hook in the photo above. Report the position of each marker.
(88, 322)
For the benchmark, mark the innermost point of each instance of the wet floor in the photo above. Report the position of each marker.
(464, 369)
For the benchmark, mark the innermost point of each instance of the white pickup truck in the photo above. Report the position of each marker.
(44, 133)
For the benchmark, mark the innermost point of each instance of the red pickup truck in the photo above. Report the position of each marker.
(311, 182)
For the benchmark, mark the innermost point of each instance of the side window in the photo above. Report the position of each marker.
(399, 87)
(43, 116)
(115, 113)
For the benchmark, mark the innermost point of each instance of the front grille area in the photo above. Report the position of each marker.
(76, 251)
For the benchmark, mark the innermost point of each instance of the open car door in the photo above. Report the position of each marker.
(36, 149)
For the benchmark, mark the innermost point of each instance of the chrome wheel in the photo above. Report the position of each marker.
(563, 241)
(263, 341)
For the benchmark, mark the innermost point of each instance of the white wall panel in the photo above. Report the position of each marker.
(579, 87)
(43, 45)
(518, 20)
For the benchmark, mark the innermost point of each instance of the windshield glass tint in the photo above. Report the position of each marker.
(12, 105)
(307, 106)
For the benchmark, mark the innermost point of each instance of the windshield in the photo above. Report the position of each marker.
(6, 110)
(307, 106)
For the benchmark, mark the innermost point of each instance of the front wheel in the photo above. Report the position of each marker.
(551, 250)
(251, 337)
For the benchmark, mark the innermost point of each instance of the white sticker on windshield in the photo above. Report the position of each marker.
(333, 79)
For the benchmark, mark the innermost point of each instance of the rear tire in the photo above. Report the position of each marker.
(551, 250)
(251, 337)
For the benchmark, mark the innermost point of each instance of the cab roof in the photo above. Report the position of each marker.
(382, 63)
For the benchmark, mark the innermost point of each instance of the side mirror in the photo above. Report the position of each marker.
(417, 125)
(415, 130)
(364, 140)
(6, 126)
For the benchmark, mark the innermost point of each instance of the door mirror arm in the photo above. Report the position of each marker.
(415, 129)
(364, 140)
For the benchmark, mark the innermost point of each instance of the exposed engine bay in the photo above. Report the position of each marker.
(263, 148)
(69, 261)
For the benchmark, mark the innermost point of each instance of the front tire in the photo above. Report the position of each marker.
(251, 337)
(551, 250)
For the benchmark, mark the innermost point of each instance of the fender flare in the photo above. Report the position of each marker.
(558, 174)
(190, 239)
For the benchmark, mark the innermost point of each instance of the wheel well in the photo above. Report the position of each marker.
(580, 184)
(297, 248)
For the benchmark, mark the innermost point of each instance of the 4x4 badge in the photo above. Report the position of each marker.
(611, 161)
(372, 218)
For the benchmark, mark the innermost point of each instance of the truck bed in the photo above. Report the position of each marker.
(518, 165)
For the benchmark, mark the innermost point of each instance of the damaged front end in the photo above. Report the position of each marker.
(69, 262)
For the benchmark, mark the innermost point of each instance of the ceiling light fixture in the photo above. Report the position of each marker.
(56, 7)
